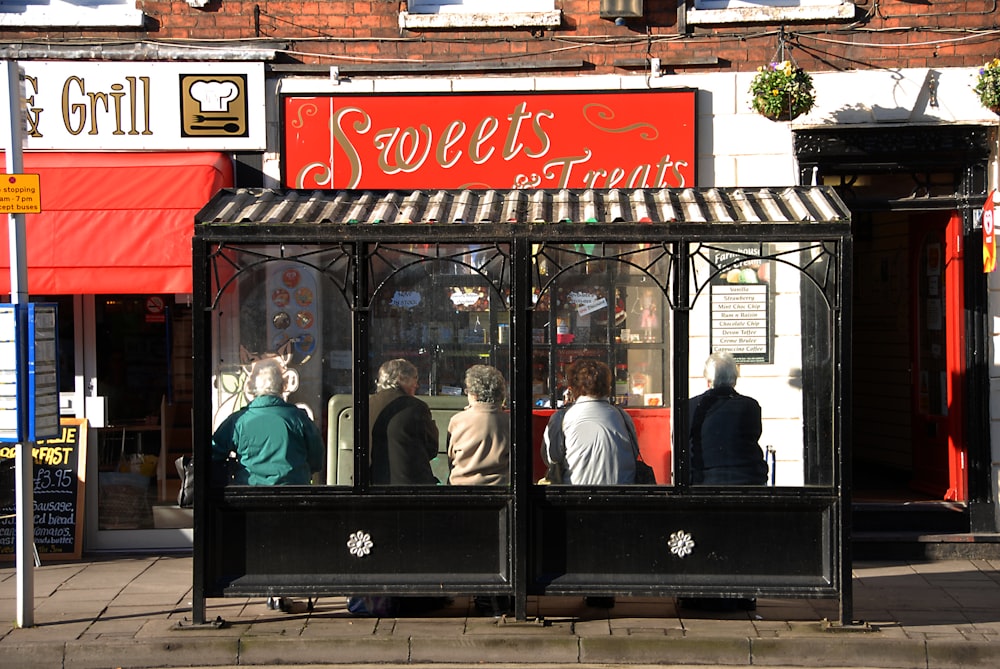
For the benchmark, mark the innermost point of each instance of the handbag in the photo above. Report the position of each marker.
(644, 474)
(185, 469)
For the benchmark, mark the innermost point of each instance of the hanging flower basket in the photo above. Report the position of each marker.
(782, 91)
(988, 85)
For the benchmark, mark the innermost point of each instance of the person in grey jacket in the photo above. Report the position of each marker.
(591, 439)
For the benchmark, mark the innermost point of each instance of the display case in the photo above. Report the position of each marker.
(590, 317)
(443, 316)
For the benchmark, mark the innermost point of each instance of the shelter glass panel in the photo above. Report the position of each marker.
(769, 309)
(444, 309)
(287, 304)
(607, 303)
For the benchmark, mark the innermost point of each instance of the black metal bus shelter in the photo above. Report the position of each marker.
(650, 281)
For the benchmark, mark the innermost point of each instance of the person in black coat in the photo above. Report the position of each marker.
(725, 429)
(404, 440)
(404, 436)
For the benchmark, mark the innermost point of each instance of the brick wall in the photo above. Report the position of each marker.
(892, 35)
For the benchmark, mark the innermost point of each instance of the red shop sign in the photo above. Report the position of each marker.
(625, 139)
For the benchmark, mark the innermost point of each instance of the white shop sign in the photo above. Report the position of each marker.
(126, 106)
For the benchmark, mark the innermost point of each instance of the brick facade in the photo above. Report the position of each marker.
(903, 36)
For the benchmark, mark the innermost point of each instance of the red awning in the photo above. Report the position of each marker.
(115, 222)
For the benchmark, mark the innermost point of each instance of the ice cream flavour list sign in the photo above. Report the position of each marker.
(741, 304)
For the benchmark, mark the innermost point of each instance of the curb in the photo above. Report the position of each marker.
(481, 650)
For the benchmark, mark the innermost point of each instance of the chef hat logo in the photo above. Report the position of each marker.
(214, 96)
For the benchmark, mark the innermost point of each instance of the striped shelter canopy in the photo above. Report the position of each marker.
(792, 205)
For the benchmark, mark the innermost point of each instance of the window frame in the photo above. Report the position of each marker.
(711, 12)
(479, 14)
(58, 13)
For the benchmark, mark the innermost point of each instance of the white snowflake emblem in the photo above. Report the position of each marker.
(681, 543)
(360, 544)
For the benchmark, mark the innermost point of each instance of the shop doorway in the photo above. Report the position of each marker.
(908, 358)
(142, 366)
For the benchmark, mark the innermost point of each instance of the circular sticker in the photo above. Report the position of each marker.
(304, 319)
(280, 297)
(281, 320)
(290, 277)
(305, 344)
(303, 296)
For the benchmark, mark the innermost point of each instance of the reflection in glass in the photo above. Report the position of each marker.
(769, 305)
(285, 301)
(605, 302)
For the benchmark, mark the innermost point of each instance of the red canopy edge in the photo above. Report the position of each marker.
(115, 222)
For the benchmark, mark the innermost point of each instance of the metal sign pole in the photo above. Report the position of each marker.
(25, 505)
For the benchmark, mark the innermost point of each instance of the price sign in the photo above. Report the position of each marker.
(59, 466)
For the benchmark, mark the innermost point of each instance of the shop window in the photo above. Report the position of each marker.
(77, 14)
(708, 12)
(444, 312)
(479, 13)
(605, 302)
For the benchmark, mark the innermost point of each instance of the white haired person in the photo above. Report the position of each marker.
(479, 435)
(479, 448)
(275, 442)
(404, 436)
(725, 429)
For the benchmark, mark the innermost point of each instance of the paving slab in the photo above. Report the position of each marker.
(135, 612)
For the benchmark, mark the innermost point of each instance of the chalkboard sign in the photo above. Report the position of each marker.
(60, 466)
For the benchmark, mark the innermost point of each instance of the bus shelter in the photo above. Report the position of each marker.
(649, 281)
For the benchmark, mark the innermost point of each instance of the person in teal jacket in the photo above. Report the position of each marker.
(276, 443)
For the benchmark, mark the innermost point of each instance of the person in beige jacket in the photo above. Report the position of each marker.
(479, 449)
(479, 435)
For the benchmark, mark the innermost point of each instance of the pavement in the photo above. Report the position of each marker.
(135, 611)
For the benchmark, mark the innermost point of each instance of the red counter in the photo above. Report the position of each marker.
(652, 425)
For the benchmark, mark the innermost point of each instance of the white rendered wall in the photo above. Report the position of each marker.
(738, 148)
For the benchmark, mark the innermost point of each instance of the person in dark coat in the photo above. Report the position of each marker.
(725, 429)
(404, 440)
(404, 436)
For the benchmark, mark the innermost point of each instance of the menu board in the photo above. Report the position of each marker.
(741, 304)
(60, 466)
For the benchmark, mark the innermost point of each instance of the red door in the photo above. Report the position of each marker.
(938, 356)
